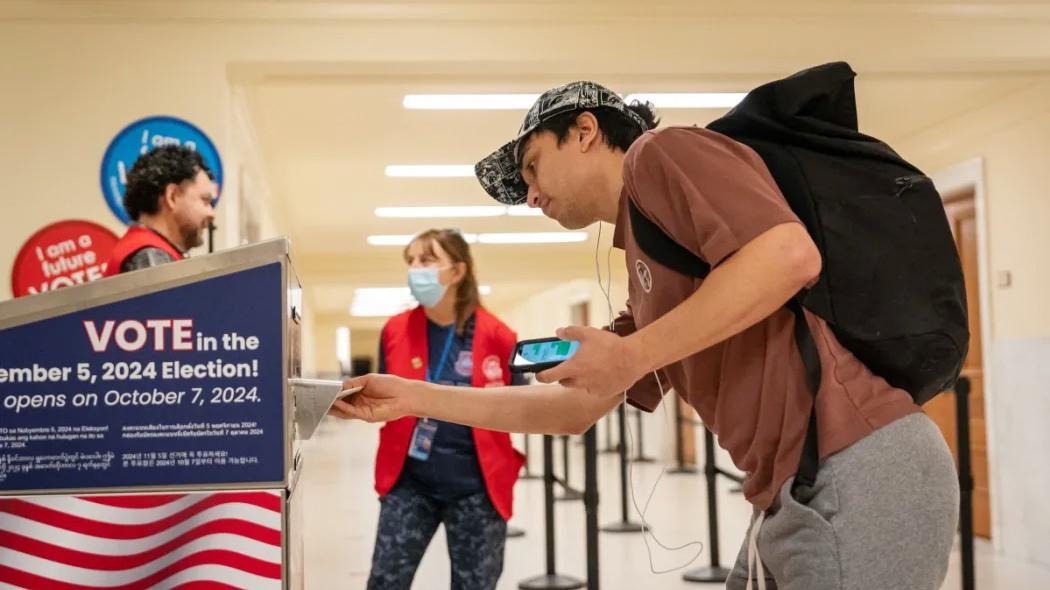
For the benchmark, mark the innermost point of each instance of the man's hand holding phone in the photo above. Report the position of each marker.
(603, 364)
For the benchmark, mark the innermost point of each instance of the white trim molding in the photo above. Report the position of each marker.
(969, 176)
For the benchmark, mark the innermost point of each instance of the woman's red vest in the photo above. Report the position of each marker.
(407, 354)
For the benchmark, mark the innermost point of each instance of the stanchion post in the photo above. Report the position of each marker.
(624, 525)
(550, 580)
(714, 573)
(962, 429)
(567, 491)
(590, 504)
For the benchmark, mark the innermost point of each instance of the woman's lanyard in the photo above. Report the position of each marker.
(431, 378)
(434, 377)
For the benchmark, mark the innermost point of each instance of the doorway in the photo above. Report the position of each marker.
(962, 217)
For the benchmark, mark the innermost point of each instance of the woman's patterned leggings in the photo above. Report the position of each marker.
(408, 519)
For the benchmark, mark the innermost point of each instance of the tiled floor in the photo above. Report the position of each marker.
(341, 510)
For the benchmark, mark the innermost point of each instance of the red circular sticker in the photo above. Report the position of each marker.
(62, 254)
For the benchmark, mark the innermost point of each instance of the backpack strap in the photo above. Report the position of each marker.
(660, 247)
(807, 349)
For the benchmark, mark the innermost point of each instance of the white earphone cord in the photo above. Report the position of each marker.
(646, 529)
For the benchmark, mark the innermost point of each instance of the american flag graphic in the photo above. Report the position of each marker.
(195, 541)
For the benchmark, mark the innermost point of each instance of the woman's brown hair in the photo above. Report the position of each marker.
(468, 298)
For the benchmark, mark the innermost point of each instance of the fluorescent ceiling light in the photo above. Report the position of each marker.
(453, 211)
(387, 301)
(405, 239)
(524, 211)
(469, 101)
(458, 211)
(688, 100)
(666, 100)
(558, 237)
(431, 171)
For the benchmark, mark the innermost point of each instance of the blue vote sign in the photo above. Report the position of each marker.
(180, 387)
(142, 136)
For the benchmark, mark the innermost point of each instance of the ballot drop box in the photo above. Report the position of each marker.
(151, 428)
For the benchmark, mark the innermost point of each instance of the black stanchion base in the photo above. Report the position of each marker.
(682, 469)
(609, 450)
(551, 582)
(707, 575)
(643, 459)
(513, 532)
(569, 495)
(622, 526)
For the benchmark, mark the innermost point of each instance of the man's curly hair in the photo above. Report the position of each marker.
(154, 171)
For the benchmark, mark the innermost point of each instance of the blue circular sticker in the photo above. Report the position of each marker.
(142, 136)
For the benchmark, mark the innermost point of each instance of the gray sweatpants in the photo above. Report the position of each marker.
(881, 516)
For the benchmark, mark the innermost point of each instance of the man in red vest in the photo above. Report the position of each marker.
(170, 197)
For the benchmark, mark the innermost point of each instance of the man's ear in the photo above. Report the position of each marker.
(589, 130)
(171, 190)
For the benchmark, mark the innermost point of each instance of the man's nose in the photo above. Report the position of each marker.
(533, 197)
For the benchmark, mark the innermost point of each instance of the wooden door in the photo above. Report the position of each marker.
(963, 220)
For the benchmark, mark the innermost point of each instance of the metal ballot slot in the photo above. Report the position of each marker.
(313, 398)
(162, 407)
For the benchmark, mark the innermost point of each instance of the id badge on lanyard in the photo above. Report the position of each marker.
(423, 436)
(422, 440)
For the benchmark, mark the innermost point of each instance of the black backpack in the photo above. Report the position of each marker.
(891, 286)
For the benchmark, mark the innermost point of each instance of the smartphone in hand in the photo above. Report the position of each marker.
(531, 356)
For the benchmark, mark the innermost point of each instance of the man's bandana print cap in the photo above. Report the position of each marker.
(500, 173)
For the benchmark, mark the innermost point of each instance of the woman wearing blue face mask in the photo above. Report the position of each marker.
(430, 472)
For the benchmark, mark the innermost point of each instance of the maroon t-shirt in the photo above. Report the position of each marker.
(713, 195)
